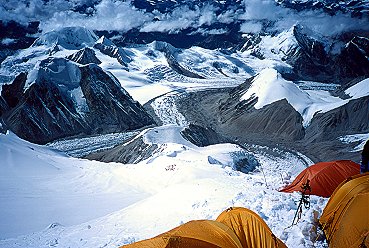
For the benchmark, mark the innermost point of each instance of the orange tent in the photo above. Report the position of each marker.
(198, 233)
(345, 219)
(324, 177)
(251, 230)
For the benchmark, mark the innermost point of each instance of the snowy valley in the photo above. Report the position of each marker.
(155, 113)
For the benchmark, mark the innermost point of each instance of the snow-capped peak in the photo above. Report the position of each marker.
(105, 41)
(69, 38)
(269, 86)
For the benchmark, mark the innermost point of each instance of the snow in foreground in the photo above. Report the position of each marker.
(51, 200)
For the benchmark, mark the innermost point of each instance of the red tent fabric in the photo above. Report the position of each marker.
(324, 177)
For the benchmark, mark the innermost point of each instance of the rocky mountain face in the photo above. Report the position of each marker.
(84, 56)
(66, 99)
(353, 61)
(132, 152)
(224, 112)
(312, 58)
(109, 48)
(352, 117)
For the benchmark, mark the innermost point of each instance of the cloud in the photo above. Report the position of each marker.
(7, 41)
(108, 15)
(120, 15)
(24, 11)
(251, 27)
(181, 18)
(205, 31)
(280, 18)
(229, 16)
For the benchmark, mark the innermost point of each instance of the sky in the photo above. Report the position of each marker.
(122, 16)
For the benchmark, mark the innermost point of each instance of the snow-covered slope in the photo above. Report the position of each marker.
(359, 90)
(40, 186)
(139, 201)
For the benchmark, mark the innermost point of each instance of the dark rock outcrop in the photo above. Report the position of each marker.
(201, 136)
(309, 59)
(132, 152)
(111, 108)
(351, 118)
(170, 54)
(45, 113)
(84, 56)
(3, 106)
(107, 47)
(12, 93)
(353, 61)
(66, 100)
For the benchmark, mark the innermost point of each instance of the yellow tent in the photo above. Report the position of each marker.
(345, 219)
(251, 230)
(198, 233)
(234, 228)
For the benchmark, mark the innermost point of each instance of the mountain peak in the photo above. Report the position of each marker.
(84, 56)
(105, 41)
(68, 37)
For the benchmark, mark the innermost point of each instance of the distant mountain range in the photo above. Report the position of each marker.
(259, 82)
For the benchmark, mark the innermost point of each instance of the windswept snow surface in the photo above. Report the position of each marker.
(269, 86)
(51, 200)
(39, 186)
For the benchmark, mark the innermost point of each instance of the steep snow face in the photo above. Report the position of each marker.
(62, 72)
(269, 86)
(105, 41)
(277, 47)
(68, 37)
(359, 90)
